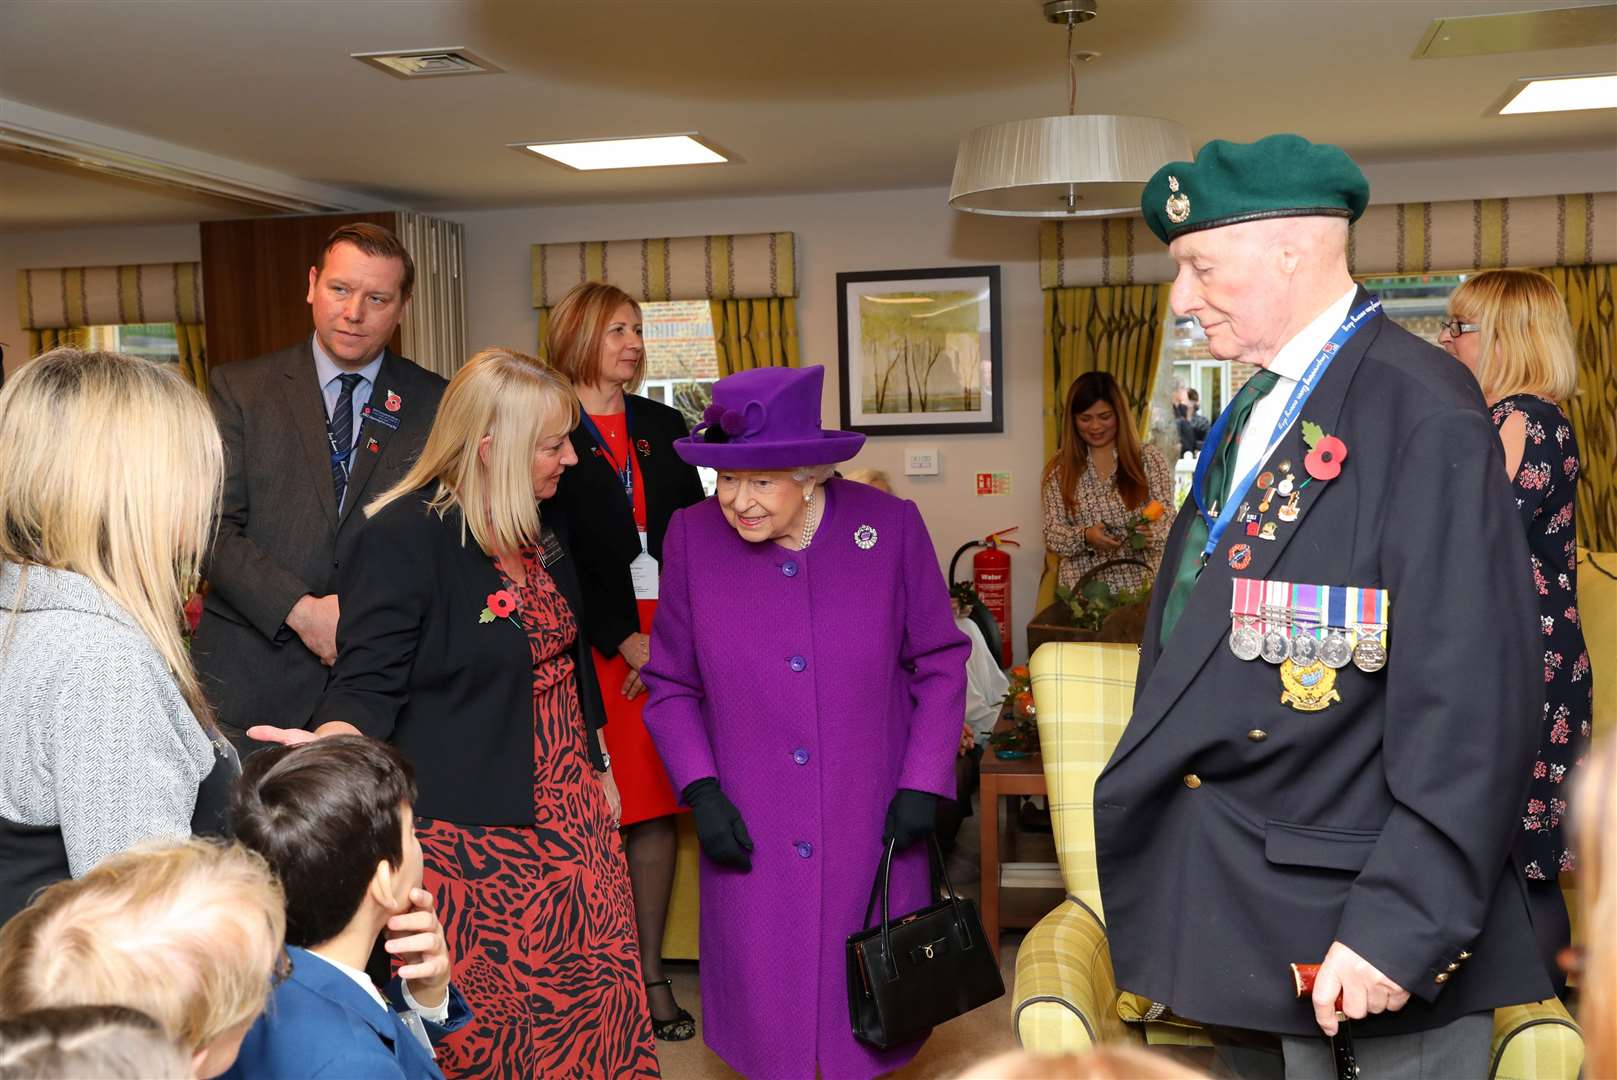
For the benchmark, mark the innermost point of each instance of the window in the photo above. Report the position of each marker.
(682, 363)
(1417, 302)
(149, 341)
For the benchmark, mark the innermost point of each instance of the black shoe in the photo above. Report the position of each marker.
(679, 1029)
(1033, 818)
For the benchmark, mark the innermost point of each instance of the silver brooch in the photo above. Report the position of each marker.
(865, 537)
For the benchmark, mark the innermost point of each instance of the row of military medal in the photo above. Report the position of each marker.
(1333, 625)
(1363, 646)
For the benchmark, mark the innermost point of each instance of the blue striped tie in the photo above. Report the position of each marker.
(342, 434)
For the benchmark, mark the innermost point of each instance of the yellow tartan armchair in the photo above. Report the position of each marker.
(1066, 997)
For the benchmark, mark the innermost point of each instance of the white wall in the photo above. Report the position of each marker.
(835, 232)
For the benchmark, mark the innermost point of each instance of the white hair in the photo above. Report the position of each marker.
(817, 473)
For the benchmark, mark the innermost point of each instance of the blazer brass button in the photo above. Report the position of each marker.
(1192, 781)
(1257, 734)
(1441, 977)
(1452, 968)
(1465, 955)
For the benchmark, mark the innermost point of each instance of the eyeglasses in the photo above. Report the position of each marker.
(1454, 327)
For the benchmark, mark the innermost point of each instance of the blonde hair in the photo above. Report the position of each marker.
(876, 478)
(1524, 334)
(577, 326)
(187, 931)
(1595, 830)
(1117, 1062)
(112, 468)
(88, 1042)
(515, 400)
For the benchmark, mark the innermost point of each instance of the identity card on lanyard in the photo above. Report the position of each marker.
(643, 571)
(1299, 394)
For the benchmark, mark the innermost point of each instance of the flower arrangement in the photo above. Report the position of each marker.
(1021, 738)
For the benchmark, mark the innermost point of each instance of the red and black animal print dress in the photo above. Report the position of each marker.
(540, 921)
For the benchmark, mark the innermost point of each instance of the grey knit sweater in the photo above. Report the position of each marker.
(95, 737)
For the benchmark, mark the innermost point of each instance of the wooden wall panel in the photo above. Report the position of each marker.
(255, 274)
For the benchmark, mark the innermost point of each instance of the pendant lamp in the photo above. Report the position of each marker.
(1068, 166)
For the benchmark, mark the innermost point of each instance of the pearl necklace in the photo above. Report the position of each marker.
(809, 523)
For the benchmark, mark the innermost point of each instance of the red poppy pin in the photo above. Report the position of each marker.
(393, 402)
(1325, 452)
(373, 446)
(644, 446)
(501, 604)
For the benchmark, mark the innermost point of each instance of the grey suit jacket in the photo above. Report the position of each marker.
(280, 535)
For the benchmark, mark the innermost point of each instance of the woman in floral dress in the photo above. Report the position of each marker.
(1510, 328)
(459, 643)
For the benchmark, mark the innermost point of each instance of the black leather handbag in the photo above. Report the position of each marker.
(907, 976)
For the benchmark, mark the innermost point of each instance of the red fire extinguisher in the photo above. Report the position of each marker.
(991, 577)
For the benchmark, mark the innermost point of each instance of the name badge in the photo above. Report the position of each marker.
(387, 420)
(643, 572)
(550, 549)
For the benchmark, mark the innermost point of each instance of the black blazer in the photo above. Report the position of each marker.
(593, 500)
(1385, 820)
(279, 531)
(417, 668)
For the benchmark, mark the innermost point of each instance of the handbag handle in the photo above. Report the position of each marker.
(883, 883)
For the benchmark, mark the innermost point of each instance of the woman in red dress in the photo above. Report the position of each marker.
(628, 483)
(459, 643)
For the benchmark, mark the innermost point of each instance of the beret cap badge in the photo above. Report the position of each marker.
(1178, 205)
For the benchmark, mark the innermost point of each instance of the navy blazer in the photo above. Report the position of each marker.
(417, 666)
(592, 496)
(319, 1023)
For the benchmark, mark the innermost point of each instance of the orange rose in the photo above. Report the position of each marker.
(1019, 671)
(1024, 703)
(1153, 510)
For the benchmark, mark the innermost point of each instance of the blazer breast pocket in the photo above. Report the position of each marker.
(1319, 846)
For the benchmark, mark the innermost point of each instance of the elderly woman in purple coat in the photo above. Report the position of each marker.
(806, 688)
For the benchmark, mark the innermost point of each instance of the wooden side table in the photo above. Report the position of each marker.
(997, 779)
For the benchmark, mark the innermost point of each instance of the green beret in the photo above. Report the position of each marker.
(1277, 176)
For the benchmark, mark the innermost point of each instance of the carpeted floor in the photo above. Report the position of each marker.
(952, 1047)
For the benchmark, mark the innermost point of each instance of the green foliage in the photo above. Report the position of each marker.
(1098, 600)
(1312, 433)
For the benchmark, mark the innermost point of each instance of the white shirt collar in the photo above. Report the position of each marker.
(1294, 356)
(359, 977)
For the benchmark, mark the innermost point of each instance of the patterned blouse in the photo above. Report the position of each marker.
(1545, 486)
(1097, 502)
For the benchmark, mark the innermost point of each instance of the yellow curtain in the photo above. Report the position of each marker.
(1590, 301)
(1112, 328)
(45, 340)
(755, 333)
(193, 355)
(544, 328)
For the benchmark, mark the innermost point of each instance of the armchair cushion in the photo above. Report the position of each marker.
(1536, 1042)
(1065, 998)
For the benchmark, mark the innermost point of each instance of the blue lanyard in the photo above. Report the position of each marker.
(1299, 394)
(626, 470)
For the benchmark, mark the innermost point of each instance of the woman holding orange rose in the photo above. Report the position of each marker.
(1105, 496)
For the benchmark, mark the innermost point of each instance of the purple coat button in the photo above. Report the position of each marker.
(805, 850)
(798, 663)
(801, 756)
(789, 569)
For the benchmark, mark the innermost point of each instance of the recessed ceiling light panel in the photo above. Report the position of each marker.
(646, 152)
(1565, 93)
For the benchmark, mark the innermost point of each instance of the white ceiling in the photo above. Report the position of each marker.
(810, 95)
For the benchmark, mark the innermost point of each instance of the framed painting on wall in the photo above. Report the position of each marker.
(919, 351)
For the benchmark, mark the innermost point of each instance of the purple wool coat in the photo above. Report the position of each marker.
(813, 684)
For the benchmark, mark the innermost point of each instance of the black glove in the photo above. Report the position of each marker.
(719, 828)
(911, 816)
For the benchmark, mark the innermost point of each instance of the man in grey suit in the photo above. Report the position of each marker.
(311, 433)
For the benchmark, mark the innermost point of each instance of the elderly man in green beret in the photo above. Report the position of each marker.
(1327, 752)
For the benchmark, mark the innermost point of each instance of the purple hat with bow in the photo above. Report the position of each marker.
(767, 418)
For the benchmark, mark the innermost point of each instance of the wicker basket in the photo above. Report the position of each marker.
(1126, 624)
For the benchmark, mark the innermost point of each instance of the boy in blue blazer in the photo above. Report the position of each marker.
(333, 819)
